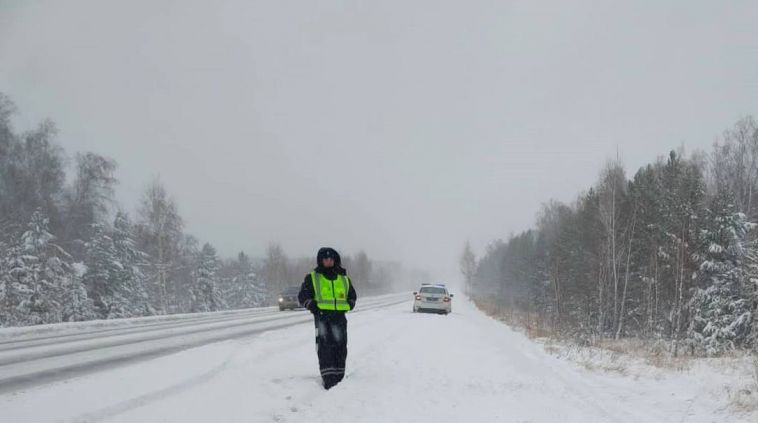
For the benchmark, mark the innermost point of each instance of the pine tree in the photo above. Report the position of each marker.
(113, 276)
(41, 273)
(751, 292)
(682, 193)
(102, 275)
(647, 198)
(130, 276)
(721, 312)
(16, 288)
(204, 292)
(253, 292)
(242, 287)
(76, 304)
(4, 285)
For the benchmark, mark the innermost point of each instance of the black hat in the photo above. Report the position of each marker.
(328, 252)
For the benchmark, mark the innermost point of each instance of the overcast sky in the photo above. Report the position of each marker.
(399, 127)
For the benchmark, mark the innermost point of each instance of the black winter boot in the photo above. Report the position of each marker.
(330, 381)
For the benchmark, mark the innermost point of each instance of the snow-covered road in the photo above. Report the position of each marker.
(402, 367)
(39, 354)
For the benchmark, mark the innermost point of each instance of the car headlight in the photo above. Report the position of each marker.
(281, 300)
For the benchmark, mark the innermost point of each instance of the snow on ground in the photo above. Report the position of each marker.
(70, 328)
(402, 367)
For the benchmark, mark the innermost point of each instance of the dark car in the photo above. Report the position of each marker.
(288, 298)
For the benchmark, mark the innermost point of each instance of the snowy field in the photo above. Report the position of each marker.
(402, 367)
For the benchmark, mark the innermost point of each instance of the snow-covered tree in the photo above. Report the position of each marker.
(113, 276)
(88, 199)
(76, 304)
(734, 165)
(242, 287)
(204, 292)
(751, 292)
(251, 290)
(44, 272)
(102, 277)
(15, 288)
(721, 312)
(32, 174)
(41, 273)
(130, 276)
(681, 208)
(275, 269)
(159, 234)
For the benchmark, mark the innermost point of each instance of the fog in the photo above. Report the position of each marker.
(399, 128)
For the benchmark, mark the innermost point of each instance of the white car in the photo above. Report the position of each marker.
(433, 298)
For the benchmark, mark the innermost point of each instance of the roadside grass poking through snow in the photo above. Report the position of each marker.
(641, 358)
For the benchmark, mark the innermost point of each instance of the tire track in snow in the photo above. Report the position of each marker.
(22, 369)
(161, 394)
(122, 330)
(205, 377)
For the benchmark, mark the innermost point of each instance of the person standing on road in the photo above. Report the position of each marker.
(329, 293)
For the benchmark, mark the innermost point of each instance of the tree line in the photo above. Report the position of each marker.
(668, 254)
(69, 252)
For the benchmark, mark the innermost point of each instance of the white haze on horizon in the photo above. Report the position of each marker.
(400, 128)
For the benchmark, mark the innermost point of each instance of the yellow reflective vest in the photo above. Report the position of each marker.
(331, 295)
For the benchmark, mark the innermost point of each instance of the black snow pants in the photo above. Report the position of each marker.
(331, 344)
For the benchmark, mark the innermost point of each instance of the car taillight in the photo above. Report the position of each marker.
(447, 299)
(418, 297)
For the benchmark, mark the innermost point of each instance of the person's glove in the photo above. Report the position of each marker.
(352, 304)
(311, 306)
